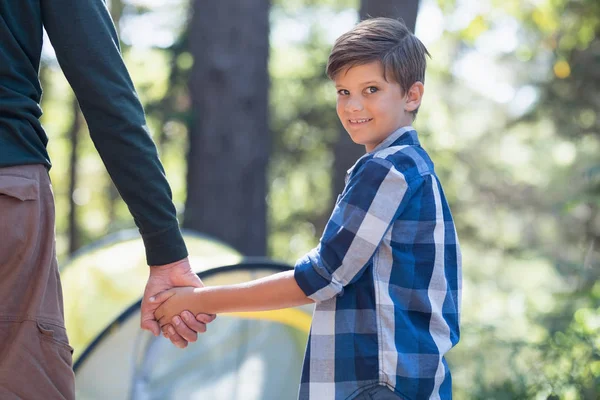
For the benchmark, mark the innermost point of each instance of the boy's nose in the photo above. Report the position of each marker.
(353, 104)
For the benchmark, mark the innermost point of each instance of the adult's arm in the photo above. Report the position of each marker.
(87, 48)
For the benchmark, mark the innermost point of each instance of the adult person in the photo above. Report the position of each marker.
(35, 356)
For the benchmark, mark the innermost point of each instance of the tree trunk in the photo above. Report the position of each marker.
(346, 152)
(229, 136)
(399, 9)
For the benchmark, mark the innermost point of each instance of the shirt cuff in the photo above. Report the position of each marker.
(314, 280)
(164, 247)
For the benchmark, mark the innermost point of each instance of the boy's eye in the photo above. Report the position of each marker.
(343, 92)
(372, 89)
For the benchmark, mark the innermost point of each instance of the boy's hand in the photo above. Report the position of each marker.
(173, 302)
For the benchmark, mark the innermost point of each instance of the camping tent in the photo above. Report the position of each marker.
(242, 356)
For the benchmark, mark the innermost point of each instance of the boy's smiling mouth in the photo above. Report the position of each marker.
(360, 121)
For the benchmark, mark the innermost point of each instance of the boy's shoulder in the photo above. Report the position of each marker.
(412, 161)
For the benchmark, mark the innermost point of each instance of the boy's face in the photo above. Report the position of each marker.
(370, 107)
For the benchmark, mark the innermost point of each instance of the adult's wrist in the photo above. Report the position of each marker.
(164, 247)
(170, 266)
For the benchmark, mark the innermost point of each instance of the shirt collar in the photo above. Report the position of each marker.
(407, 135)
(402, 136)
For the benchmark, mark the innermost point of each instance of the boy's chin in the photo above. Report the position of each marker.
(358, 140)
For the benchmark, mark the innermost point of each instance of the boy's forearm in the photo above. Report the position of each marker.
(269, 293)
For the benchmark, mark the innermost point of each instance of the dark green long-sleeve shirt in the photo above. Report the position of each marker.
(86, 44)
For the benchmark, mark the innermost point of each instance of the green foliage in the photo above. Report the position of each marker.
(524, 191)
(516, 148)
(305, 126)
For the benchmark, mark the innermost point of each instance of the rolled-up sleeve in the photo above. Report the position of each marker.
(372, 199)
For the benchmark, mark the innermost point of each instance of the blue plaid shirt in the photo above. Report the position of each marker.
(386, 277)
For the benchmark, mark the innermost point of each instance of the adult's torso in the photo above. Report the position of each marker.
(22, 138)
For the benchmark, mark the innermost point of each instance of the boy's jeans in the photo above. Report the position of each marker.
(35, 356)
(378, 393)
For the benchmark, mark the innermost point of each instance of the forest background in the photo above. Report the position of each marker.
(244, 118)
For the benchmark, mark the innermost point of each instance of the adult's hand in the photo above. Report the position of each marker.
(166, 277)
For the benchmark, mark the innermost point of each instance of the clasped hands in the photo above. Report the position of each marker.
(174, 302)
(179, 327)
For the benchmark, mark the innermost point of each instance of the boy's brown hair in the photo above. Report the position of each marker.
(386, 40)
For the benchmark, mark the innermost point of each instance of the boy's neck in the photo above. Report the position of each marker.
(391, 138)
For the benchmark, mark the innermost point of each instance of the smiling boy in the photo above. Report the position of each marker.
(386, 275)
(367, 103)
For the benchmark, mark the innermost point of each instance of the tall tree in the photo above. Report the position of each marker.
(346, 152)
(405, 9)
(229, 136)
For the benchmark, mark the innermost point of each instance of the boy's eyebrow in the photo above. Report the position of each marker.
(368, 83)
(338, 85)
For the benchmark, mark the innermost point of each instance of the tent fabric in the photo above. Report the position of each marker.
(104, 279)
(238, 358)
(242, 356)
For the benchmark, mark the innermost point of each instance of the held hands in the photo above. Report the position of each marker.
(187, 326)
(174, 301)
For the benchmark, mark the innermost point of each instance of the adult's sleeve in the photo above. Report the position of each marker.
(371, 200)
(87, 48)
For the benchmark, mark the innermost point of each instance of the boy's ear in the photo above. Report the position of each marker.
(414, 96)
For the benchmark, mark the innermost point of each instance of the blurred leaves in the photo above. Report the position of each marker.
(511, 118)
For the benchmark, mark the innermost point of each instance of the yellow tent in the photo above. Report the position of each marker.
(242, 356)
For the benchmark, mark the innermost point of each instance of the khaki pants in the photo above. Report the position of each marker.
(35, 356)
